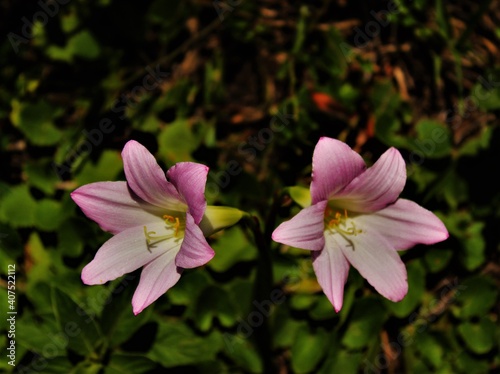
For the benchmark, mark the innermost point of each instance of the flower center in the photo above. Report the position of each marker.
(339, 222)
(173, 224)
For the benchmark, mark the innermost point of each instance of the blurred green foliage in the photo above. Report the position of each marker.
(247, 88)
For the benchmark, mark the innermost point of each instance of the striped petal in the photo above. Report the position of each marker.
(146, 178)
(113, 206)
(334, 166)
(377, 187)
(305, 230)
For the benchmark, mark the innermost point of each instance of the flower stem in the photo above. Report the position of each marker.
(262, 292)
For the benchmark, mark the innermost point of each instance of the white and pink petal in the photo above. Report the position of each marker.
(305, 230)
(377, 187)
(331, 268)
(190, 178)
(405, 224)
(377, 261)
(123, 253)
(334, 166)
(146, 178)
(195, 251)
(114, 206)
(156, 278)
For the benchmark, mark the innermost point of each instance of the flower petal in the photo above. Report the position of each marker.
(377, 261)
(377, 187)
(305, 230)
(113, 206)
(335, 164)
(190, 178)
(156, 278)
(331, 268)
(146, 178)
(195, 250)
(405, 224)
(124, 253)
(219, 217)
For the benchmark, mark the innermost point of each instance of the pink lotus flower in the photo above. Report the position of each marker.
(158, 223)
(356, 218)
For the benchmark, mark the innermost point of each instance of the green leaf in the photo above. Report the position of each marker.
(84, 45)
(176, 344)
(474, 246)
(177, 141)
(342, 361)
(189, 287)
(433, 139)
(84, 337)
(285, 327)
(18, 207)
(363, 327)
(470, 365)
(128, 363)
(437, 259)
(240, 291)
(41, 337)
(118, 322)
(322, 309)
(476, 143)
(41, 262)
(430, 348)
(86, 367)
(59, 365)
(469, 232)
(106, 169)
(49, 215)
(11, 247)
(39, 294)
(490, 99)
(477, 296)
(308, 349)
(41, 175)
(242, 352)
(302, 301)
(230, 248)
(81, 45)
(416, 288)
(452, 187)
(36, 121)
(213, 302)
(72, 235)
(478, 337)
(386, 102)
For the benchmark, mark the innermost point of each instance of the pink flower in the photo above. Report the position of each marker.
(159, 223)
(356, 218)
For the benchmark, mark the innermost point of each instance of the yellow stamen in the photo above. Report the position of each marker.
(338, 220)
(151, 236)
(170, 219)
